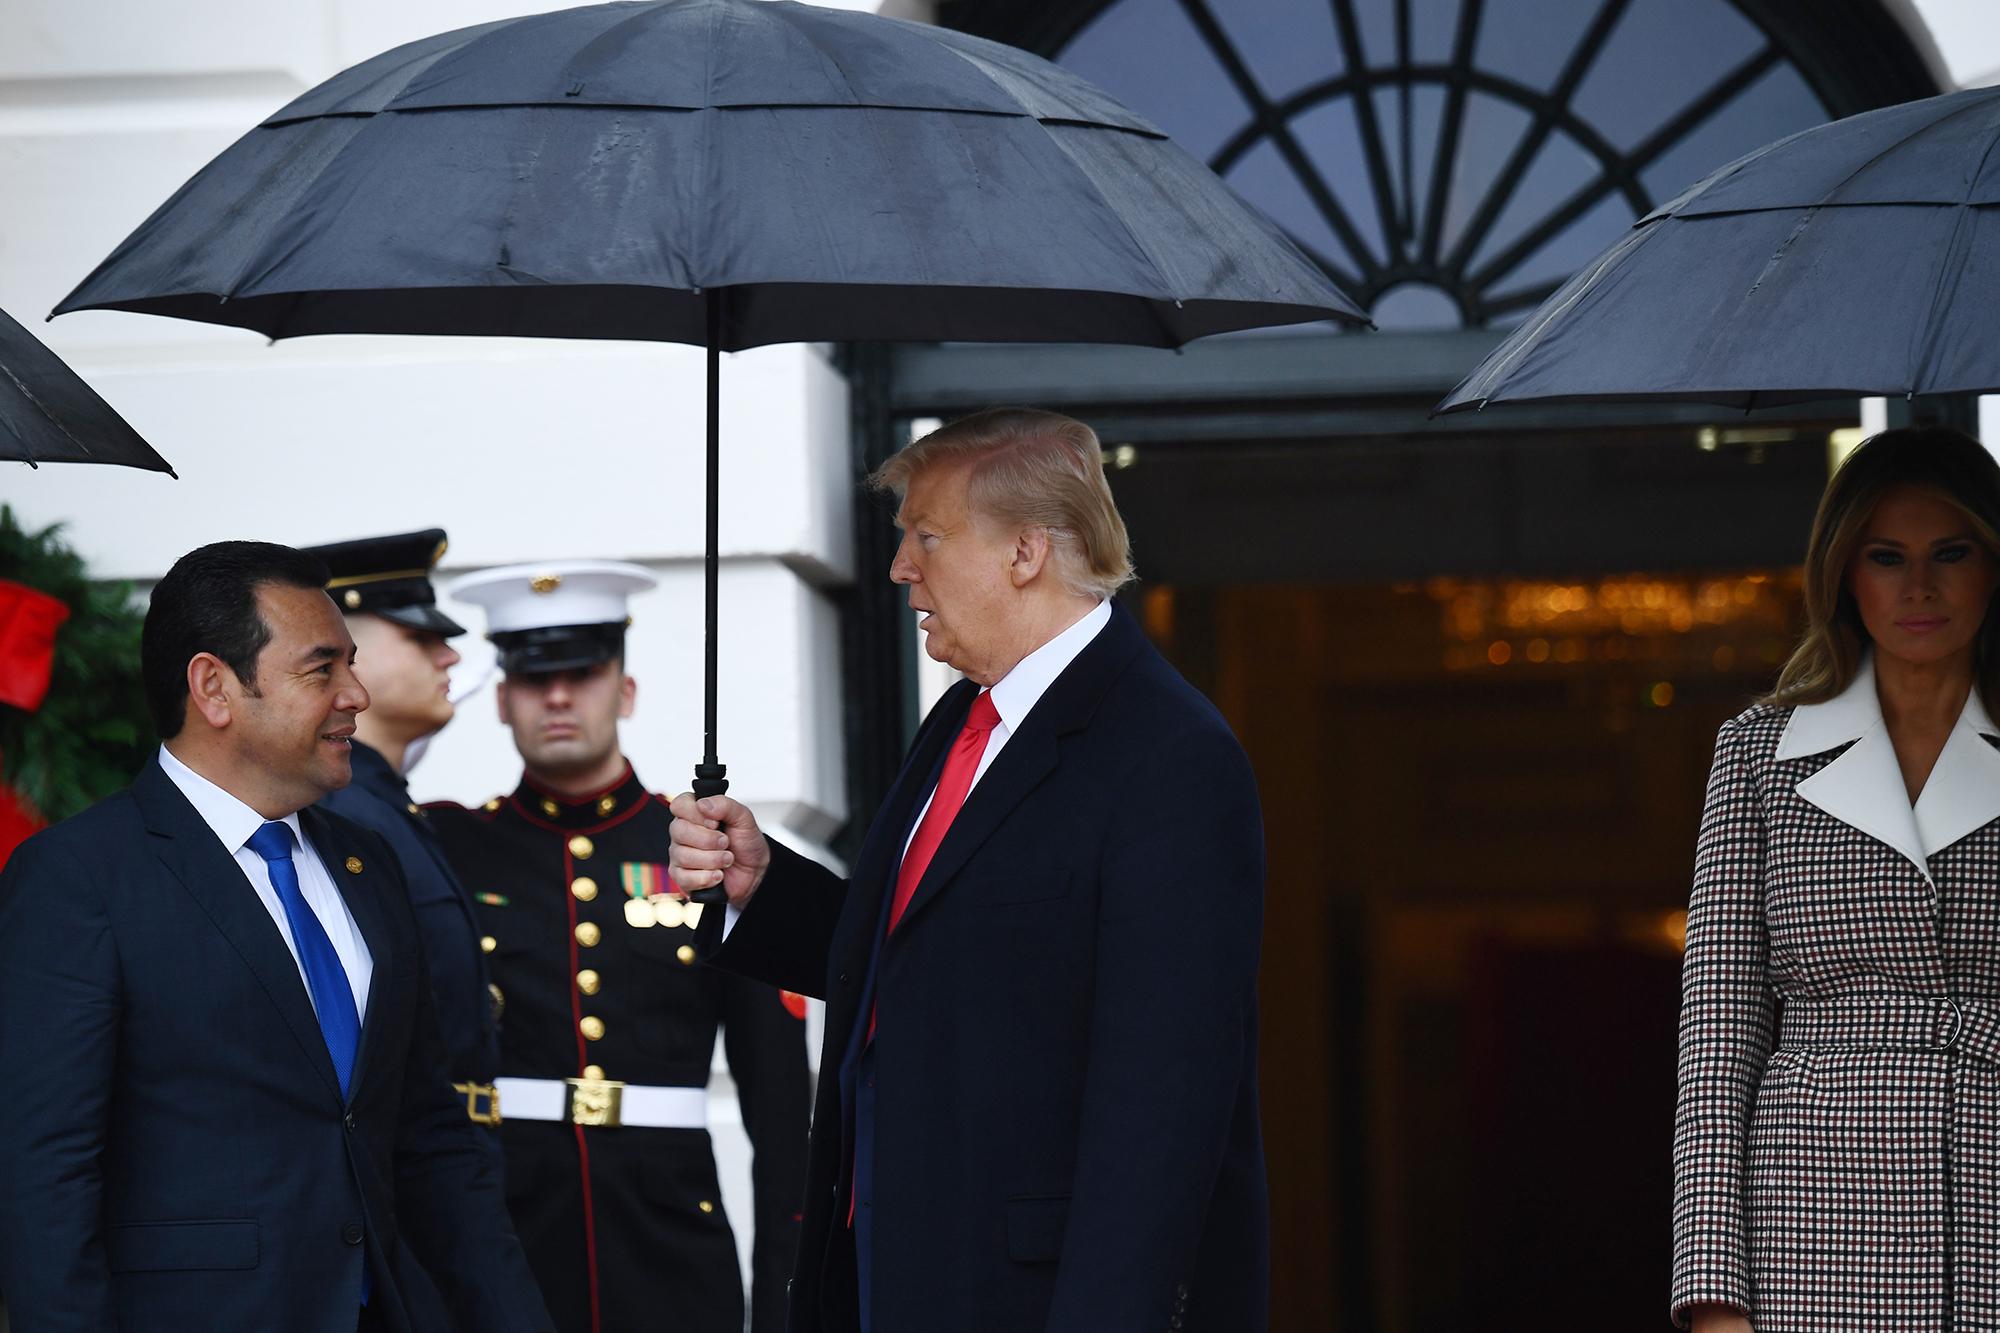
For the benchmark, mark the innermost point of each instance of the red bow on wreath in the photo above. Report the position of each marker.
(28, 624)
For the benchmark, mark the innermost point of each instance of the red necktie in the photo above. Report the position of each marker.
(954, 783)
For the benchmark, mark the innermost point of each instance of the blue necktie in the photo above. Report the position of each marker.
(332, 995)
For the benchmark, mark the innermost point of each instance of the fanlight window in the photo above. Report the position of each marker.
(1450, 162)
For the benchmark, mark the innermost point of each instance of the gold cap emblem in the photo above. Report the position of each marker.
(545, 583)
(353, 865)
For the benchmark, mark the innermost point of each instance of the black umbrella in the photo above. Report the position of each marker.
(721, 172)
(1857, 257)
(49, 415)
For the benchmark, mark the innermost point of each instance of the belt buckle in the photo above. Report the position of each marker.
(596, 1102)
(473, 1093)
(1957, 1024)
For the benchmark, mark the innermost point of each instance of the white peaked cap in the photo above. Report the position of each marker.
(554, 593)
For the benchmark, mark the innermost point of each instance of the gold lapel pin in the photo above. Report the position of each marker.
(353, 865)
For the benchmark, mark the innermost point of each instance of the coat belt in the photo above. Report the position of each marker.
(1892, 1021)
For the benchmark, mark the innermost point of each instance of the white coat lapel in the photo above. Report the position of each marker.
(1863, 788)
(1962, 794)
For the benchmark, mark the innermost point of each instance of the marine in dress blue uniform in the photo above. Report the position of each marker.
(383, 584)
(610, 1024)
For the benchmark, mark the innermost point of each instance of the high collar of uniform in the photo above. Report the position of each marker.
(580, 812)
(1855, 712)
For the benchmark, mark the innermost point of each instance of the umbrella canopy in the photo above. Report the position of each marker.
(49, 415)
(593, 172)
(722, 172)
(1857, 257)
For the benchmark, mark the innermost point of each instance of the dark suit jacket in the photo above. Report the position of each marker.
(174, 1149)
(1065, 1130)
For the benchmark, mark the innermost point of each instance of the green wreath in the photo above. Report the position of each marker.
(92, 734)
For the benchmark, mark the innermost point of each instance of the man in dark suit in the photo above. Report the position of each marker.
(227, 1112)
(1037, 1107)
(404, 657)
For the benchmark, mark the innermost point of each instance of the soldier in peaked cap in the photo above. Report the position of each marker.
(402, 654)
(609, 1025)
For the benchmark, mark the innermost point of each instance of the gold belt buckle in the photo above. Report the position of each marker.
(595, 1102)
(474, 1093)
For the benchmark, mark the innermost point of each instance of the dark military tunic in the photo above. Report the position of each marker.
(624, 1225)
(378, 799)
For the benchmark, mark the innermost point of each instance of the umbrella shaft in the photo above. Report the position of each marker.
(708, 775)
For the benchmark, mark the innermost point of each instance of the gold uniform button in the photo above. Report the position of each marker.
(491, 805)
(353, 865)
(706, 1206)
(685, 953)
(352, 597)
(593, 1027)
(588, 981)
(550, 808)
(607, 805)
(487, 944)
(584, 887)
(587, 934)
(415, 809)
(581, 847)
(593, 1071)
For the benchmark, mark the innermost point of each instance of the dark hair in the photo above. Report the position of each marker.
(1950, 465)
(207, 603)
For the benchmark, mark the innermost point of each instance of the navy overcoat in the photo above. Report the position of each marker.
(1065, 1133)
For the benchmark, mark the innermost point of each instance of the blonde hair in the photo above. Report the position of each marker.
(1947, 463)
(1033, 469)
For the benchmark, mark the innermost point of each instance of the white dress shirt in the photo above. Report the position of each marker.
(234, 822)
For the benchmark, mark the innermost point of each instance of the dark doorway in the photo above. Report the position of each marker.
(1482, 741)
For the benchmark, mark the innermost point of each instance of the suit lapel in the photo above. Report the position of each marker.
(189, 850)
(361, 891)
(1030, 756)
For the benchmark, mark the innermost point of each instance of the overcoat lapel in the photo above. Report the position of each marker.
(1031, 754)
(882, 853)
(1962, 795)
(362, 892)
(189, 850)
(1863, 786)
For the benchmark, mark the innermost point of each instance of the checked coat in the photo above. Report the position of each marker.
(1836, 1160)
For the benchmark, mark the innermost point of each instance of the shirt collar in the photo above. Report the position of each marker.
(1021, 689)
(229, 819)
(1856, 711)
